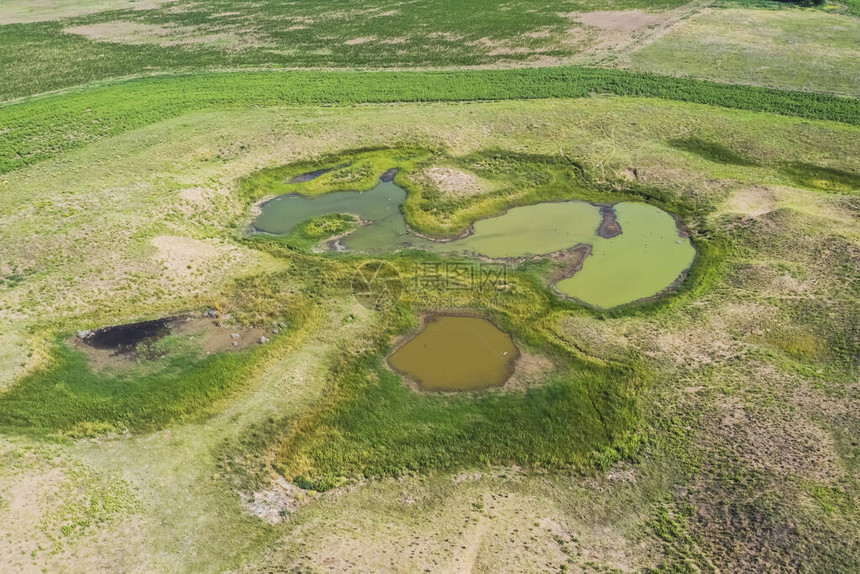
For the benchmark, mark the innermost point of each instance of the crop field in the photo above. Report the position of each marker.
(182, 392)
(52, 45)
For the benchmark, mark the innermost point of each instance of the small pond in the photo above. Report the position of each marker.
(646, 257)
(380, 206)
(455, 353)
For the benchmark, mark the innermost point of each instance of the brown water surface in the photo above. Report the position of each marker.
(457, 354)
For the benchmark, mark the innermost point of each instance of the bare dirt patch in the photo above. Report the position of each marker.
(275, 503)
(618, 20)
(752, 201)
(397, 40)
(193, 260)
(360, 40)
(216, 337)
(530, 370)
(610, 36)
(452, 182)
(118, 348)
(200, 194)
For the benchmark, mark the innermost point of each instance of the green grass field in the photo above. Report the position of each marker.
(185, 36)
(749, 47)
(42, 127)
(72, 43)
(713, 429)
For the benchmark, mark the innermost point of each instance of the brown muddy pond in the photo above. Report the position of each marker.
(453, 353)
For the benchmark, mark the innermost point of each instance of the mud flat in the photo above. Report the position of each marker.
(125, 338)
(609, 226)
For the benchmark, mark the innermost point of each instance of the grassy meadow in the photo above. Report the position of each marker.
(749, 47)
(768, 198)
(711, 429)
(43, 127)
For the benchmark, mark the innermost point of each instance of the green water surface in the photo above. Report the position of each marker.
(380, 206)
(645, 259)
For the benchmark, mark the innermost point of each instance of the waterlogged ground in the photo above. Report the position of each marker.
(646, 258)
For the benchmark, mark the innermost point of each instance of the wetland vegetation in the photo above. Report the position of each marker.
(527, 178)
(644, 256)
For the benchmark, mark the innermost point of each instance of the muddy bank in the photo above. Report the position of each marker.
(609, 226)
(125, 338)
(567, 262)
(389, 175)
(333, 243)
(119, 346)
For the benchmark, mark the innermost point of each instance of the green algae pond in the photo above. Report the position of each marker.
(645, 258)
(454, 353)
(380, 207)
